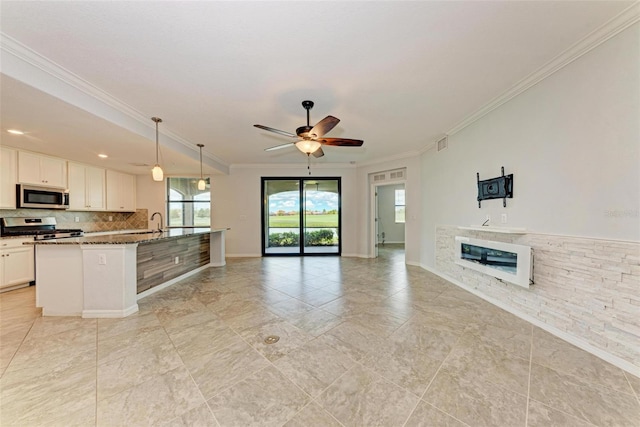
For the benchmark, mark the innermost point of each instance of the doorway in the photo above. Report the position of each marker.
(301, 216)
(389, 219)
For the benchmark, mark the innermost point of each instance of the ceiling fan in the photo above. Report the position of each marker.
(310, 139)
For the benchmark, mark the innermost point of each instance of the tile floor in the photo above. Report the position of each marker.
(362, 343)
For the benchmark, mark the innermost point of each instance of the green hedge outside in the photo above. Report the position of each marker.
(312, 238)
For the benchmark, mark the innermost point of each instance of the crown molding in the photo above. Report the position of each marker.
(34, 59)
(36, 70)
(611, 28)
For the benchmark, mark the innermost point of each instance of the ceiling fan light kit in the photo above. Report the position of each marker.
(156, 172)
(308, 146)
(310, 138)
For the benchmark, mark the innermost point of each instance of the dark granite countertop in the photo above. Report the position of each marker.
(129, 238)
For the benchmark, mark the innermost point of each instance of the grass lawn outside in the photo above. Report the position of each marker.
(313, 221)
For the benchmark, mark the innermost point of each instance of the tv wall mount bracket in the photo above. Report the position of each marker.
(495, 188)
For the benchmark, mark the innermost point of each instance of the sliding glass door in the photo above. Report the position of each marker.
(300, 216)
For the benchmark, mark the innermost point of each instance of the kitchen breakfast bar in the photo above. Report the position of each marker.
(104, 276)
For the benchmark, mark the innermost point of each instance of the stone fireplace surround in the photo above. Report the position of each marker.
(586, 291)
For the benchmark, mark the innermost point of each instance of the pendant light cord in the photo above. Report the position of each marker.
(157, 120)
(200, 146)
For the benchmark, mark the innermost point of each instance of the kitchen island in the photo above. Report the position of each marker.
(104, 276)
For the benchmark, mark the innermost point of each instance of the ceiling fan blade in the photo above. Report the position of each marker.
(323, 126)
(281, 132)
(318, 152)
(277, 147)
(344, 142)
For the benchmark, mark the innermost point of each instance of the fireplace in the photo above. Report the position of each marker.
(507, 262)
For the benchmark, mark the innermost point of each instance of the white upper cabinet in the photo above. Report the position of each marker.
(8, 177)
(121, 192)
(86, 188)
(42, 170)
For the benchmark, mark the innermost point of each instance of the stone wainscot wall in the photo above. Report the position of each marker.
(586, 289)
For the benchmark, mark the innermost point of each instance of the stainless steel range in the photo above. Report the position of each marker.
(40, 228)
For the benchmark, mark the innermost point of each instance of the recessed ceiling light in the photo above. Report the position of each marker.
(15, 131)
(102, 156)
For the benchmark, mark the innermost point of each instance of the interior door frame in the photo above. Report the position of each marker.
(300, 180)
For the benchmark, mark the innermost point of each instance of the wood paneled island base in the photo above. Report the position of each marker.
(163, 260)
(104, 276)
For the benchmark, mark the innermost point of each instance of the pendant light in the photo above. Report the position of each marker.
(201, 184)
(156, 172)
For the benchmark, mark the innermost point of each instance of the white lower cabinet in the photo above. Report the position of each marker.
(16, 263)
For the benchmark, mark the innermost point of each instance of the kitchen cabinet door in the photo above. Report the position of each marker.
(95, 188)
(42, 170)
(128, 192)
(8, 177)
(29, 168)
(77, 194)
(121, 192)
(86, 187)
(16, 265)
(53, 171)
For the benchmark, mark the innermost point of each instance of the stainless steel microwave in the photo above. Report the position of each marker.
(31, 196)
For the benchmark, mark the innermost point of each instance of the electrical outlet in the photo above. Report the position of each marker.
(176, 260)
(102, 259)
(76, 219)
(110, 218)
(503, 218)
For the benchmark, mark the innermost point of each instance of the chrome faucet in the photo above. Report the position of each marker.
(160, 223)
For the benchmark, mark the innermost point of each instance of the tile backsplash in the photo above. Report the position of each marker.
(87, 221)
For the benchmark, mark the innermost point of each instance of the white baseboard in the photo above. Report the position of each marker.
(228, 255)
(109, 314)
(13, 288)
(578, 342)
(353, 255)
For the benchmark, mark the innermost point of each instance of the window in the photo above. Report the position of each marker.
(399, 205)
(186, 205)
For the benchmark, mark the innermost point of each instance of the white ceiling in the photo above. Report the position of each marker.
(397, 74)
